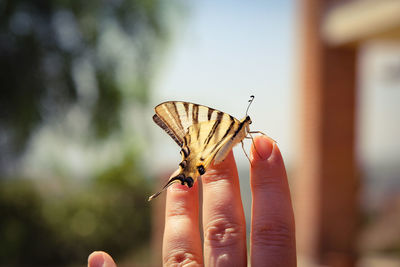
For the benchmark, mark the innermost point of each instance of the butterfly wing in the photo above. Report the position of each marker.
(211, 139)
(175, 117)
(205, 134)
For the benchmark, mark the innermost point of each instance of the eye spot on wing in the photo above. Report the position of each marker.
(183, 164)
(201, 169)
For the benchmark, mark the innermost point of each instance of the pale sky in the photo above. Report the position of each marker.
(222, 52)
(226, 51)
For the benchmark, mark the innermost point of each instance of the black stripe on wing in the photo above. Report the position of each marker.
(231, 126)
(214, 128)
(195, 114)
(168, 130)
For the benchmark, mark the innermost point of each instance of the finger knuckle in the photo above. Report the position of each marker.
(179, 209)
(265, 182)
(223, 233)
(223, 175)
(273, 235)
(181, 258)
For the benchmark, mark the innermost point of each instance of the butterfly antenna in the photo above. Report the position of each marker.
(250, 101)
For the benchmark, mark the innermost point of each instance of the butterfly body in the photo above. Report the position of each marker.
(204, 134)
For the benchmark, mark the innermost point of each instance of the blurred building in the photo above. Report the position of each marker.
(328, 177)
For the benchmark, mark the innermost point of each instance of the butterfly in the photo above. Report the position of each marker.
(204, 134)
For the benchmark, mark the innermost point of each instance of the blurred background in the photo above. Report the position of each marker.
(79, 153)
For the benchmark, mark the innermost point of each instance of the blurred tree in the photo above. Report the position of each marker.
(89, 55)
(49, 230)
(72, 75)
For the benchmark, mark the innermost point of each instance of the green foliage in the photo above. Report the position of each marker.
(54, 55)
(111, 213)
(71, 72)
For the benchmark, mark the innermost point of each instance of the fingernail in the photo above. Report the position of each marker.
(96, 259)
(262, 148)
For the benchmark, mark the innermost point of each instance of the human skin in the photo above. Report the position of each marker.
(272, 236)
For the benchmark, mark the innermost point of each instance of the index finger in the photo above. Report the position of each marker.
(272, 238)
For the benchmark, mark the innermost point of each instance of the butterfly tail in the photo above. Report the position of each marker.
(176, 179)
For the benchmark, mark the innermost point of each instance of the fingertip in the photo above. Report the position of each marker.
(226, 168)
(262, 148)
(178, 188)
(225, 163)
(181, 197)
(100, 259)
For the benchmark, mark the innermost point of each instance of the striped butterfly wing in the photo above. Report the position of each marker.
(175, 117)
(203, 133)
(202, 143)
(211, 139)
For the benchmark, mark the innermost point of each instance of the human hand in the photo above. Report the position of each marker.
(272, 237)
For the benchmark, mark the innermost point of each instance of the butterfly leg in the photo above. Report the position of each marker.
(251, 137)
(259, 132)
(247, 156)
